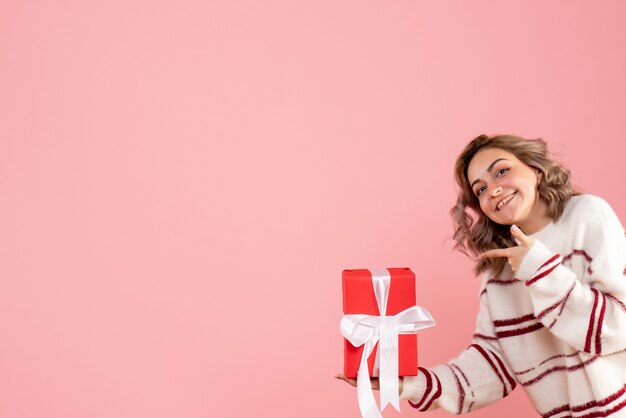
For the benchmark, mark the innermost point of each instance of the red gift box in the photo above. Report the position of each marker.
(359, 298)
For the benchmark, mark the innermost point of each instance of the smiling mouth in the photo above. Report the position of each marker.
(505, 201)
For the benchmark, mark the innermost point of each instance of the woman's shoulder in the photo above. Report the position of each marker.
(587, 207)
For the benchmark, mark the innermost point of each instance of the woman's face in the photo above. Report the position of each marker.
(506, 187)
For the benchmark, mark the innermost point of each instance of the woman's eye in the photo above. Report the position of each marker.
(480, 191)
(502, 171)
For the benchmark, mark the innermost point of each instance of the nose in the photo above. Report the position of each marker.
(496, 191)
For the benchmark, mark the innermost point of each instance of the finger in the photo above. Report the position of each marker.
(519, 236)
(346, 379)
(498, 252)
(375, 384)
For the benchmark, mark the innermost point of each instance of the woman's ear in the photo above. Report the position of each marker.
(539, 175)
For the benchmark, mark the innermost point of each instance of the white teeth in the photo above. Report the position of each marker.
(506, 200)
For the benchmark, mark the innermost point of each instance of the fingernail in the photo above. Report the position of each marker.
(514, 227)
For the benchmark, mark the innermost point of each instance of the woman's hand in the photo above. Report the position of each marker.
(373, 380)
(515, 255)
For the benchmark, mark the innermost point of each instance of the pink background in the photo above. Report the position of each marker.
(183, 182)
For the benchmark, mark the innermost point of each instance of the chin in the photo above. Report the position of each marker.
(507, 222)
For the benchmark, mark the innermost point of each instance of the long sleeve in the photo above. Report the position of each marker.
(477, 377)
(588, 312)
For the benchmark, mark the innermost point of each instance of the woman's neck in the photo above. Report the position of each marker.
(538, 220)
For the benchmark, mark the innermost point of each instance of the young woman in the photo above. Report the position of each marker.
(552, 314)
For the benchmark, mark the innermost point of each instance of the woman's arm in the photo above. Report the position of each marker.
(476, 378)
(589, 315)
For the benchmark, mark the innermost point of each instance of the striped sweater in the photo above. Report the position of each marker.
(557, 328)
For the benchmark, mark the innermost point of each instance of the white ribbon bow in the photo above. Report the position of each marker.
(362, 329)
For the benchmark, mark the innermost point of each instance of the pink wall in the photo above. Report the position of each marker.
(183, 182)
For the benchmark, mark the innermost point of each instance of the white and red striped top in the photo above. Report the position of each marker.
(557, 328)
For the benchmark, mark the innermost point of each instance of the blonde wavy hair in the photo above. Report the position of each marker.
(474, 232)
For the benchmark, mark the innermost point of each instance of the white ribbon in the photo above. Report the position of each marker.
(368, 330)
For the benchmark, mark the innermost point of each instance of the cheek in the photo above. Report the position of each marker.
(484, 207)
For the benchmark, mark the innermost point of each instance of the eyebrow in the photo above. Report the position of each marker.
(488, 170)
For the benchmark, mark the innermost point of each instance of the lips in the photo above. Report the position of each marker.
(507, 199)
